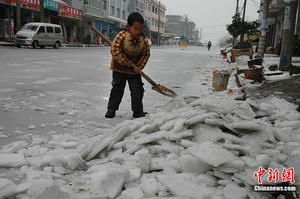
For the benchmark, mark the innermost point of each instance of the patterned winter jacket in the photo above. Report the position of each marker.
(125, 48)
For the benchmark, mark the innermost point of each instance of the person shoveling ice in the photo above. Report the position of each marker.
(130, 53)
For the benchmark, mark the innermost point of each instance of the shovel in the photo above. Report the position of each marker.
(157, 87)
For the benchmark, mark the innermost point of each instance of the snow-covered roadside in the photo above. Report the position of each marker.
(192, 147)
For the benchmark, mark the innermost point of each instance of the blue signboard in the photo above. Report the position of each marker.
(97, 24)
(51, 5)
(104, 26)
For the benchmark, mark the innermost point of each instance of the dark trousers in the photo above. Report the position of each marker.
(117, 91)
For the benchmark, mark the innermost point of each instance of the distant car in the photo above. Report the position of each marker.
(149, 42)
(39, 35)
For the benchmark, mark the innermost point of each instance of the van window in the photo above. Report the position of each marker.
(41, 29)
(29, 27)
(49, 29)
(57, 30)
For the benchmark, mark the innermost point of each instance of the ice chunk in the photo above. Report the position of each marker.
(190, 164)
(111, 168)
(14, 147)
(35, 151)
(151, 137)
(170, 135)
(7, 188)
(247, 125)
(12, 160)
(200, 118)
(73, 161)
(132, 193)
(149, 185)
(39, 186)
(178, 125)
(244, 111)
(185, 185)
(168, 125)
(106, 182)
(211, 154)
(233, 191)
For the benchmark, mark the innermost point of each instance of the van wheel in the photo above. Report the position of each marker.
(42, 47)
(35, 44)
(56, 46)
(18, 46)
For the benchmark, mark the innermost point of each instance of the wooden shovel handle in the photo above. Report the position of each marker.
(146, 77)
(101, 35)
(108, 42)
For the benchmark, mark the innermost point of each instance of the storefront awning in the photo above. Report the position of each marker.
(123, 22)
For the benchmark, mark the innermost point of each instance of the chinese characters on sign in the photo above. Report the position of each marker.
(29, 4)
(51, 5)
(274, 175)
(67, 11)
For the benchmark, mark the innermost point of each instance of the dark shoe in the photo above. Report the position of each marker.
(110, 114)
(139, 114)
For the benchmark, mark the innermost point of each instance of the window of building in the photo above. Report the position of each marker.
(118, 12)
(153, 22)
(123, 14)
(104, 5)
(153, 9)
(112, 11)
(86, 2)
(156, 10)
(91, 3)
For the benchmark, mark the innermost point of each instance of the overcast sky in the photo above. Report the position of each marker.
(211, 15)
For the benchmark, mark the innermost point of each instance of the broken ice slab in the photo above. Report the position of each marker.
(247, 125)
(212, 154)
(186, 185)
(151, 137)
(12, 160)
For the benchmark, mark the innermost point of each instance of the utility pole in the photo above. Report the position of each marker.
(42, 19)
(158, 35)
(244, 11)
(237, 6)
(263, 36)
(243, 19)
(186, 29)
(287, 44)
(18, 6)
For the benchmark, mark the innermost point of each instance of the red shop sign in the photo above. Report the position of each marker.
(67, 11)
(29, 4)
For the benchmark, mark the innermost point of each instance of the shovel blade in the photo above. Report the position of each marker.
(163, 90)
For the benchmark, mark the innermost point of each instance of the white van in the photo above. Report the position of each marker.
(39, 35)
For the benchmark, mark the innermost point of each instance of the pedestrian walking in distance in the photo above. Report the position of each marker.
(130, 53)
(89, 39)
(209, 45)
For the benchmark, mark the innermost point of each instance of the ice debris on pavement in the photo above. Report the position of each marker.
(200, 148)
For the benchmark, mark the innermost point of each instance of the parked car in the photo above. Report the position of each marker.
(39, 35)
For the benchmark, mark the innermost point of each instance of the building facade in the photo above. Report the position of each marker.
(182, 27)
(55, 11)
(155, 18)
(108, 16)
(275, 22)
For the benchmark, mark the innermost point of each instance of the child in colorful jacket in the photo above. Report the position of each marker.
(130, 53)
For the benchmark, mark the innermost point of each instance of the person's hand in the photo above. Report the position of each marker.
(135, 68)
